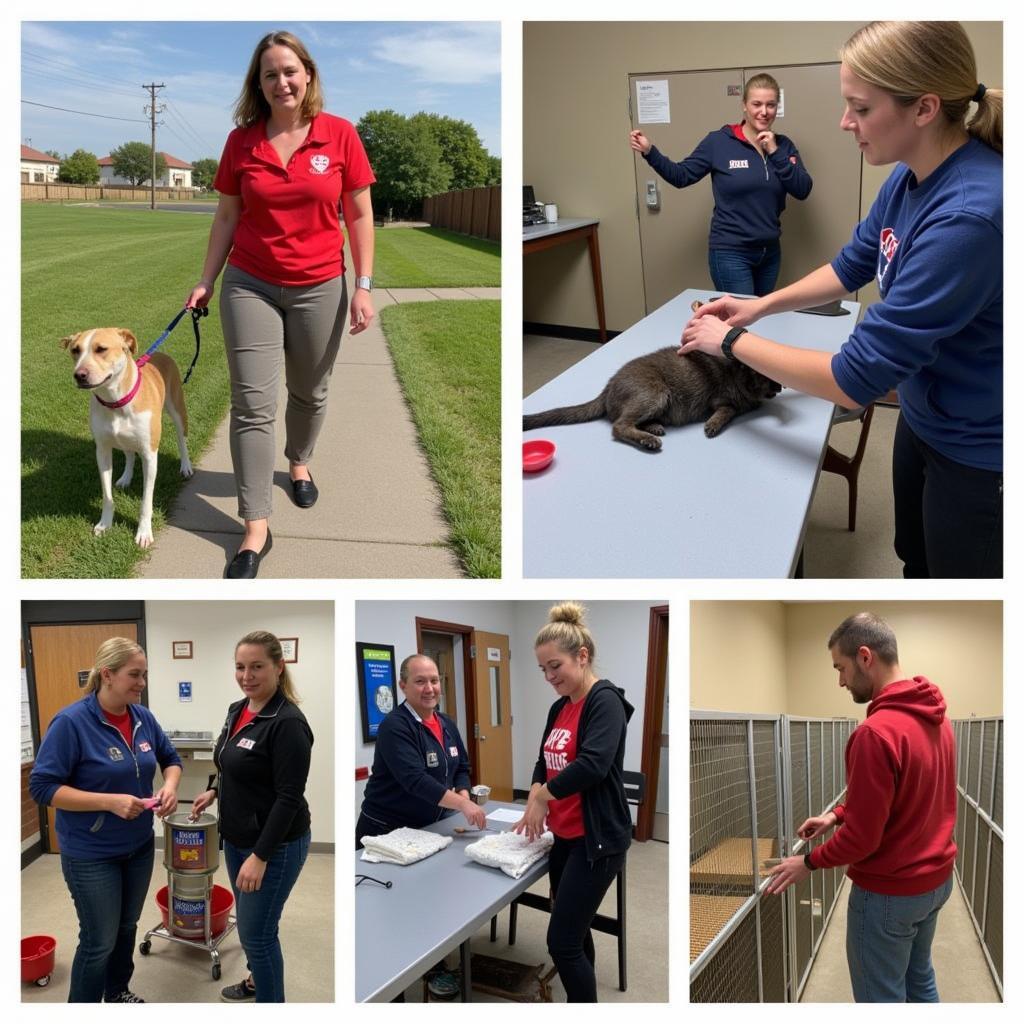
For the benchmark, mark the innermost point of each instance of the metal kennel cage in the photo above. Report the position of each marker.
(979, 832)
(753, 781)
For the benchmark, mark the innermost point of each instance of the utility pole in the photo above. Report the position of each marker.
(152, 111)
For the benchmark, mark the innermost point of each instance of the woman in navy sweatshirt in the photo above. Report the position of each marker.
(933, 243)
(752, 171)
(262, 758)
(96, 766)
(577, 794)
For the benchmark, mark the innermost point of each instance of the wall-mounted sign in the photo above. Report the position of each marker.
(181, 649)
(378, 687)
(185, 692)
(652, 106)
(494, 654)
(83, 678)
(290, 648)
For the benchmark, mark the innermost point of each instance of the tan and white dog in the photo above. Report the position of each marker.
(126, 413)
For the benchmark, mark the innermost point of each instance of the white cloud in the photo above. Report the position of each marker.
(455, 54)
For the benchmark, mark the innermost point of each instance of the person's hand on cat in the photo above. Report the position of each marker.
(735, 312)
(703, 334)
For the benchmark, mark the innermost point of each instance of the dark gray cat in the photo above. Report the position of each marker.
(663, 389)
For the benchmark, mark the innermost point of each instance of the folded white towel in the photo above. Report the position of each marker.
(511, 852)
(403, 846)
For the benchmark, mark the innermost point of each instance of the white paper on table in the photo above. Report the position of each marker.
(503, 814)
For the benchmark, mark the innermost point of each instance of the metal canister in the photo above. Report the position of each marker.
(188, 907)
(191, 847)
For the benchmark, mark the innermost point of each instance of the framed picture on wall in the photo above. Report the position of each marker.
(378, 685)
(181, 649)
(290, 648)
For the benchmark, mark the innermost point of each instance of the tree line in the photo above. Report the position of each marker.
(412, 158)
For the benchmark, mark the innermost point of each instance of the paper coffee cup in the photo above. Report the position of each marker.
(551, 213)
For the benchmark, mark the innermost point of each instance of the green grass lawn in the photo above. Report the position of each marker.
(432, 258)
(448, 358)
(85, 267)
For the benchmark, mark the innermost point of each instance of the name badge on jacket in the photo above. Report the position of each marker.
(453, 751)
(246, 744)
(145, 747)
(431, 759)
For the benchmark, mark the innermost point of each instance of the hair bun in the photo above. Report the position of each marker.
(568, 611)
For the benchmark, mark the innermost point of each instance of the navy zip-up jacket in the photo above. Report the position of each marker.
(750, 189)
(83, 750)
(412, 771)
(597, 771)
(935, 249)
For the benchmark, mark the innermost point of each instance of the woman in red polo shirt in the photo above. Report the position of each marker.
(577, 793)
(288, 170)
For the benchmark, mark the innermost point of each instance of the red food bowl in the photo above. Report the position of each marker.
(221, 902)
(38, 953)
(537, 455)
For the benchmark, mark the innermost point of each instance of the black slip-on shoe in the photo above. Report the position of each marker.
(304, 493)
(246, 564)
(243, 992)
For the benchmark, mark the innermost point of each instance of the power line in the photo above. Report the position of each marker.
(86, 113)
(79, 83)
(188, 127)
(73, 67)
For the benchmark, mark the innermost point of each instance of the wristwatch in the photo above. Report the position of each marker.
(729, 340)
(808, 864)
(365, 282)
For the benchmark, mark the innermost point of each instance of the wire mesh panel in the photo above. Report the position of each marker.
(974, 760)
(798, 774)
(828, 762)
(721, 859)
(814, 761)
(988, 759)
(960, 734)
(829, 894)
(997, 800)
(731, 974)
(773, 949)
(766, 778)
(959, 833)
(970, 832)
(977, 896)
(994, 913)
(802, 896)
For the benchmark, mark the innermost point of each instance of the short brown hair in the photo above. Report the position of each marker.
(251, 106)
(865, 630)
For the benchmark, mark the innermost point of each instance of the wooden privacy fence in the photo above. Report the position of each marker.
(54, 191)
(469, 211)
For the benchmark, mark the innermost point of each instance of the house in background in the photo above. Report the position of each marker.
(177, 175)
(38, 168)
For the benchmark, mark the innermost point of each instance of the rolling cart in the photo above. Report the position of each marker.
(195, 912)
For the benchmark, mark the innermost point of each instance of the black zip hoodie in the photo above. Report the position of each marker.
(596, 773)
(262, 776)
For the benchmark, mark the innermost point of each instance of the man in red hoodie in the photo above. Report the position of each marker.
(897, 819)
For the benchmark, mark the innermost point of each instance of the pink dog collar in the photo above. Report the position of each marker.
(140, 363)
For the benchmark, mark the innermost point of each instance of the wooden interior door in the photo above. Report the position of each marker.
(493, 725)
(61, 658)
(440, 647)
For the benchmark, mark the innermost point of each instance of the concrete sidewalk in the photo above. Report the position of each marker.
(379, 513)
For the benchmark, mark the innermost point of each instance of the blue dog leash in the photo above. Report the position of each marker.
(198, 312)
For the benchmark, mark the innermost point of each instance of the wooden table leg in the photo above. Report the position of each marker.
(595, 270)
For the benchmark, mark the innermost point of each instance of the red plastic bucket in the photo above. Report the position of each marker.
(190, 912)
(38, 953)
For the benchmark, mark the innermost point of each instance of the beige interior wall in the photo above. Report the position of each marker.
(767, 657)
(576, 120)
(958, 645)
(738, 656)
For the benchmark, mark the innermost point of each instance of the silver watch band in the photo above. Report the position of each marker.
(365, 282)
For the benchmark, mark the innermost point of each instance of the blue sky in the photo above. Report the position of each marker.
(450, 68)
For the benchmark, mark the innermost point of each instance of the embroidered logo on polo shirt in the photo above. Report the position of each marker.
(246, 744)
(115, 753)
(737, 165)
(320, 162)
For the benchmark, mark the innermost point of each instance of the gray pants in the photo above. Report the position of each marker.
(265, 325)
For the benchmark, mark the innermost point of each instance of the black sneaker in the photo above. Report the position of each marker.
(243, 992)
(125, 997)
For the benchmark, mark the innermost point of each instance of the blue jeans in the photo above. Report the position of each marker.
(259, 912)
(108, 896)
(889, 945)
(745, 272)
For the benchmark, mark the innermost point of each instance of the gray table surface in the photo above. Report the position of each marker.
(535, 231)
(732, 506)
(433, 906)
